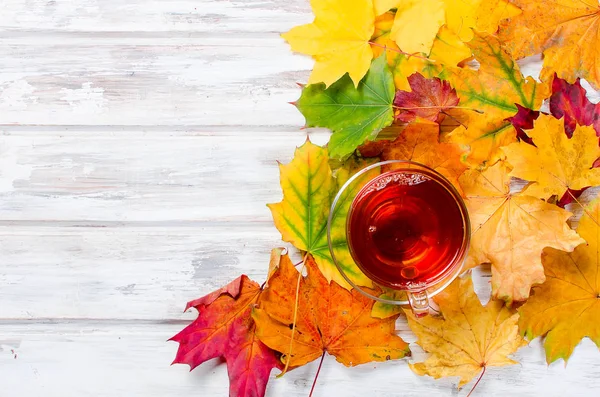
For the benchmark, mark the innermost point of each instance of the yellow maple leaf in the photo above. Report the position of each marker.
(468, 338)
(566, 308)
(417, 23)
(465, 16)
(565, 31)
(382, 6)
(338, 39)
(511, 230)
(557, 163)
(447, 50)
(492, 90)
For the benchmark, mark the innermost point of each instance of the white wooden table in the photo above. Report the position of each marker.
(138, 142)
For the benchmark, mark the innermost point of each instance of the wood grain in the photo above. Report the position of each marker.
(154, 16)
(138, 142)
(94, 79)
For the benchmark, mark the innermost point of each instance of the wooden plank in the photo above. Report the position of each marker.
(96, 80)
(133, 176)
(106, 360)
(210, 16)
(124, 273)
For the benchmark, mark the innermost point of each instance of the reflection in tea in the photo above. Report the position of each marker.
(405, 229)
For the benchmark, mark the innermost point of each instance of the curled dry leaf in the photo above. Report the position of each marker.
(494, 90)
(428, 99)
(224, 328)
(468, 338)
(338, 48)
(556, 163)
(329, 319)
(565, 31)
(566, 308)
(308, 189)
(353, 114)
(511, 230)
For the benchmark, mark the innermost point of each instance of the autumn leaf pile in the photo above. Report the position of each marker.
(436, 82)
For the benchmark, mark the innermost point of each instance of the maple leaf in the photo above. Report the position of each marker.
(466, 16)
(329, 319)
(566, 307)
(556, 163)
(338, 48)
(428, 99)
(569, 101)
(382, 6)
(447, 50)
(419, 142)
(353, 114)
(468, 338)
(511, 230)
(308, 189)
(523, 120)
(565, 31)
(494, 91)
(224, 328)
(416, 24)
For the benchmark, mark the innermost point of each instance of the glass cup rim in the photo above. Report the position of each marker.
(452, 271)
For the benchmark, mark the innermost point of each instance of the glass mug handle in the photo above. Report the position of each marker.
(419, 302)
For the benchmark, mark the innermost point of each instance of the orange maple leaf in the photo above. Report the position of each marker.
(510, 230)
(419, 142)
(329, 319)
(565, 31)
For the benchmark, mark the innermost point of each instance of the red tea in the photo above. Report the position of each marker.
(405, 229)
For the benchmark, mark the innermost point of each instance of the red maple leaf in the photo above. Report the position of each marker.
(428, 99)
(224, 328)
(523, 120)
(569, 101)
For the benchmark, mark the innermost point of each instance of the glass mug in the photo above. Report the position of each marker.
(407, 229)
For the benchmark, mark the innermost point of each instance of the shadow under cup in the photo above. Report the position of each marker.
(406, 229)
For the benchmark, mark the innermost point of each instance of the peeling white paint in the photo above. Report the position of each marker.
(17, 95)
(86, 99)
(10, 168)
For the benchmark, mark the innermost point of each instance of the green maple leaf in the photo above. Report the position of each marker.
(308, 186)
(353, 114)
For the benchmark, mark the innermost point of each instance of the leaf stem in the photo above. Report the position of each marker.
(317, 374)
(476, 383)
(454, 118)
(401, 52)
(437, 107)
(289, 355)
